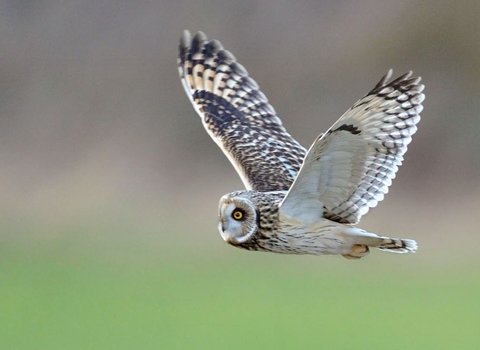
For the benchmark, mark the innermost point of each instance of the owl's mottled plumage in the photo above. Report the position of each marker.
(238, 116)
(296, 201)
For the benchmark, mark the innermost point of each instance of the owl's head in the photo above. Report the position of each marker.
(237, 218)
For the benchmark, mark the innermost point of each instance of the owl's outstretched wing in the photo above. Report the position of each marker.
(348, 169)
(237, 115)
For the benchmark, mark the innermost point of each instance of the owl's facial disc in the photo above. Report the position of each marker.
(237, 220)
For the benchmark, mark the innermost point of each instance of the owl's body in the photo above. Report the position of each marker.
(278, 234)
(300, 202)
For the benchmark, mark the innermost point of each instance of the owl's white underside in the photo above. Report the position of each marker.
(326, 237)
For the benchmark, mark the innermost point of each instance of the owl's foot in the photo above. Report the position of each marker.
(358, 251)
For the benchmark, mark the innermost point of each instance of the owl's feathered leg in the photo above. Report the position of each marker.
(358, 251)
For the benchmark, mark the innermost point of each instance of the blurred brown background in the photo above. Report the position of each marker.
(101, 151)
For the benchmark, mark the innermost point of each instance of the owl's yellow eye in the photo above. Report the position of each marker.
(237, 214)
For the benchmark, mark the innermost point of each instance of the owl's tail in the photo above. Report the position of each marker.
(398, 245)
(362, 240)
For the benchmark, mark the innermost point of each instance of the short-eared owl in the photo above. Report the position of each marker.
(298, 201)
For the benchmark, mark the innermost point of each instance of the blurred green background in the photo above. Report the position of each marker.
(109, 185)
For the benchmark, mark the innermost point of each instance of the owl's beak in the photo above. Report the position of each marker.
(222, 228)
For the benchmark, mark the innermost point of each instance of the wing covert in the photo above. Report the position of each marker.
(237, 115)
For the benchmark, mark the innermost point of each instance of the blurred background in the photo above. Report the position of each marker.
(109, 185)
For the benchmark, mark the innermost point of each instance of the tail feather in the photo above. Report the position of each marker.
(397, 245)
(388, 244)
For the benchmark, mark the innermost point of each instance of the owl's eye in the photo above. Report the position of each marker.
(238, 214)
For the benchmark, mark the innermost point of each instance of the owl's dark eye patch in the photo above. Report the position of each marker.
(238, 214)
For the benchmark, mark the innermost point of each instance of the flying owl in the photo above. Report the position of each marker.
(298, 201)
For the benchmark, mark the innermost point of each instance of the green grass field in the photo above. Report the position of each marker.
(236, 300)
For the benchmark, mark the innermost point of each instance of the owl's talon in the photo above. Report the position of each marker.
(358, 251)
